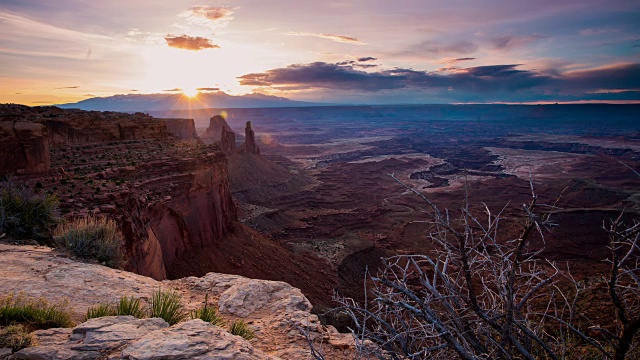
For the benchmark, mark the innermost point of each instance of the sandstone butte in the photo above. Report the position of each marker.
(169, 193)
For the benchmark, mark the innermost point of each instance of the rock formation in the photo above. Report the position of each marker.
(28, 133)
(228, 141)
(276, 312)
(214, 132)
(250, 145)
(24, 147)
(173, 203)
(182, 129)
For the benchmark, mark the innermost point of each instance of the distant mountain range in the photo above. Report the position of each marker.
(167, 102)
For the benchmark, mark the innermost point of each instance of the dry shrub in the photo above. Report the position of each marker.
(90, 237)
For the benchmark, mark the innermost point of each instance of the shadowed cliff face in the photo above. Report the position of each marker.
(202, 215)
(24, 147)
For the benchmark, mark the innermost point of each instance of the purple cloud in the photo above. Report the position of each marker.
(483, 81)
(507, 42)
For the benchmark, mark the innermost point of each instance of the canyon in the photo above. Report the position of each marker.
(306, 196)
(168, 191)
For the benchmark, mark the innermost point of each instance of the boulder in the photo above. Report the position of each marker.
(125, 337)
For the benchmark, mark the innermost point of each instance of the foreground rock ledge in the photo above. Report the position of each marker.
(274, 310)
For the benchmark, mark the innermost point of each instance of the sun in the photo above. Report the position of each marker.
(190, 92)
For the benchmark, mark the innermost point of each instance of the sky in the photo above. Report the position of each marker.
(361, 51)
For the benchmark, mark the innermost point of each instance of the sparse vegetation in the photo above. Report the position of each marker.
(166, 305)
(129, 306)
(15, 337)
(91, 237)
(37, 314)
(481, 294)
(207, 313)
(240, 328)
(124, 307)
(98, 311)
(25, 214)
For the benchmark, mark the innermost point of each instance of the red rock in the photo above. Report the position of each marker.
(182, 129)
(24, 147)
(249, 145)
(228, 141)
(214, 131)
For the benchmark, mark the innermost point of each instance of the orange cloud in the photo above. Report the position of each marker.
(186, 42)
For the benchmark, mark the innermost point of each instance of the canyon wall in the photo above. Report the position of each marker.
(199, 213)
(27, 133)
(24, 147)
(181, 129)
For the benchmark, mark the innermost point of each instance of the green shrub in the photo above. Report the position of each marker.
(91, 237)
(15, 337)
(25, 214)
(240, 328)
(129, 306)
(37, 313)
(166, 305)
(124, 307)
(207, 313)
(98, 311)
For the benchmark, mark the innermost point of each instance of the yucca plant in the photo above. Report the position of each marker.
(166, 305)
(129, 306)
(207, 313)
(240, 328)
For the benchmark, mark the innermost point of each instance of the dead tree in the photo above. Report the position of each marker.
(481, 296)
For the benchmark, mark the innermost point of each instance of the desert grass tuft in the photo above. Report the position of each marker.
(90, 237)
(124, 307)
(207, 313)
(129, 306)
(37, 314)
(167, 305)
(98, 311)
(15, 337)
(240, 328)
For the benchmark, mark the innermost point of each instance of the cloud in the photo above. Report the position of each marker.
(186, 42)
(491, 83)
(507, 42)
(368, 58)
(336, 38)
(210, 16)
(432, 47)
(173, 90)
(208, 89)
(455, 60)
(593, 32)
(67, 87)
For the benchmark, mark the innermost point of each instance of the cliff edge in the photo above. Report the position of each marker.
(274, 310)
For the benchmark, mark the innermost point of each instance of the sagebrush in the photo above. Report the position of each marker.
(90, 237)
(25, 214)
